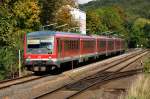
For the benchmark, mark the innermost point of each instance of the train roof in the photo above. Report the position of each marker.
(51, 33)
(56, 33)
(64, 34)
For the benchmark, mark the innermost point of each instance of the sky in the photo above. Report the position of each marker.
(83, 1)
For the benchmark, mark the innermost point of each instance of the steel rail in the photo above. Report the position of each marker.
(110, 76)
(20, 80)
(114, 64)
(114, 76)
(24, 79)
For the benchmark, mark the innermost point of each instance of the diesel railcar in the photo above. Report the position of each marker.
(47, 50)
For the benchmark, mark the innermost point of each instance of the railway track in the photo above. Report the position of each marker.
(103, 80)
(32, 77)
(107, 76)
(19, 80)
(100, 77)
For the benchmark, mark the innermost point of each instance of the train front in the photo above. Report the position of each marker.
(39, 51)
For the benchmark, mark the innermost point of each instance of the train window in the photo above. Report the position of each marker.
(40, 45)
(110, 44)
(75, 44)
(88, 44)
(85, 44)
(65, 45)
(71, 44)
(102, 44)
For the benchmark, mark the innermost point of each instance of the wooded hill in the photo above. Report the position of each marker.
(135, 8)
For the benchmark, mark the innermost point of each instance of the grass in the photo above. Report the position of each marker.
(140, 89)
(147, 65)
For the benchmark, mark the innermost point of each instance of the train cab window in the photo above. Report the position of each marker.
(41, 45)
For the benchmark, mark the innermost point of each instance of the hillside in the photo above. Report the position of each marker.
(136, 8)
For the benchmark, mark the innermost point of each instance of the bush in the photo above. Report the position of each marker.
(7, 63)
(147, 65)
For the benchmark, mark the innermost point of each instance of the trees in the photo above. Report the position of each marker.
(27, 14)
(49, 9)
(7, 42)
(140, 32)
(21, 16)
(63, 16)
(16, 17)
(94, 23)
(6, 30)
(111, 18)
(107, 18)
(134, 8)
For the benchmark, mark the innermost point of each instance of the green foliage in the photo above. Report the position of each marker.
(94, 23)
(16, 18)
(147, 65)
(63, 16)
(7, 43)
(27, 14)
(50, 9)
(7, 62)
(106, 19)
(135, 8)
(21, 16)
(128, 18)
(6, 30)
(140, 32)
(110, 18)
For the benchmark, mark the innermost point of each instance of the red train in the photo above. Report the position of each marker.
(46, 50)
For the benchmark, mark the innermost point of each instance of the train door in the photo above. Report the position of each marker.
(59, 48)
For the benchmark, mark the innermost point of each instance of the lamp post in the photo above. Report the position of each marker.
(19, 65)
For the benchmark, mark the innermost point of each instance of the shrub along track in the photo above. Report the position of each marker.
(102, 76)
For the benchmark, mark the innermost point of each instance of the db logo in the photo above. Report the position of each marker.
(39, 56)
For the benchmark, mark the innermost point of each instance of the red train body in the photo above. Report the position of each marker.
(44, 50)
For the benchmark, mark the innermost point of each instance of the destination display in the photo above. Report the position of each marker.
(33, 41)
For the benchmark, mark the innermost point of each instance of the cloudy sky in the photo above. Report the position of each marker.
(83, 1)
